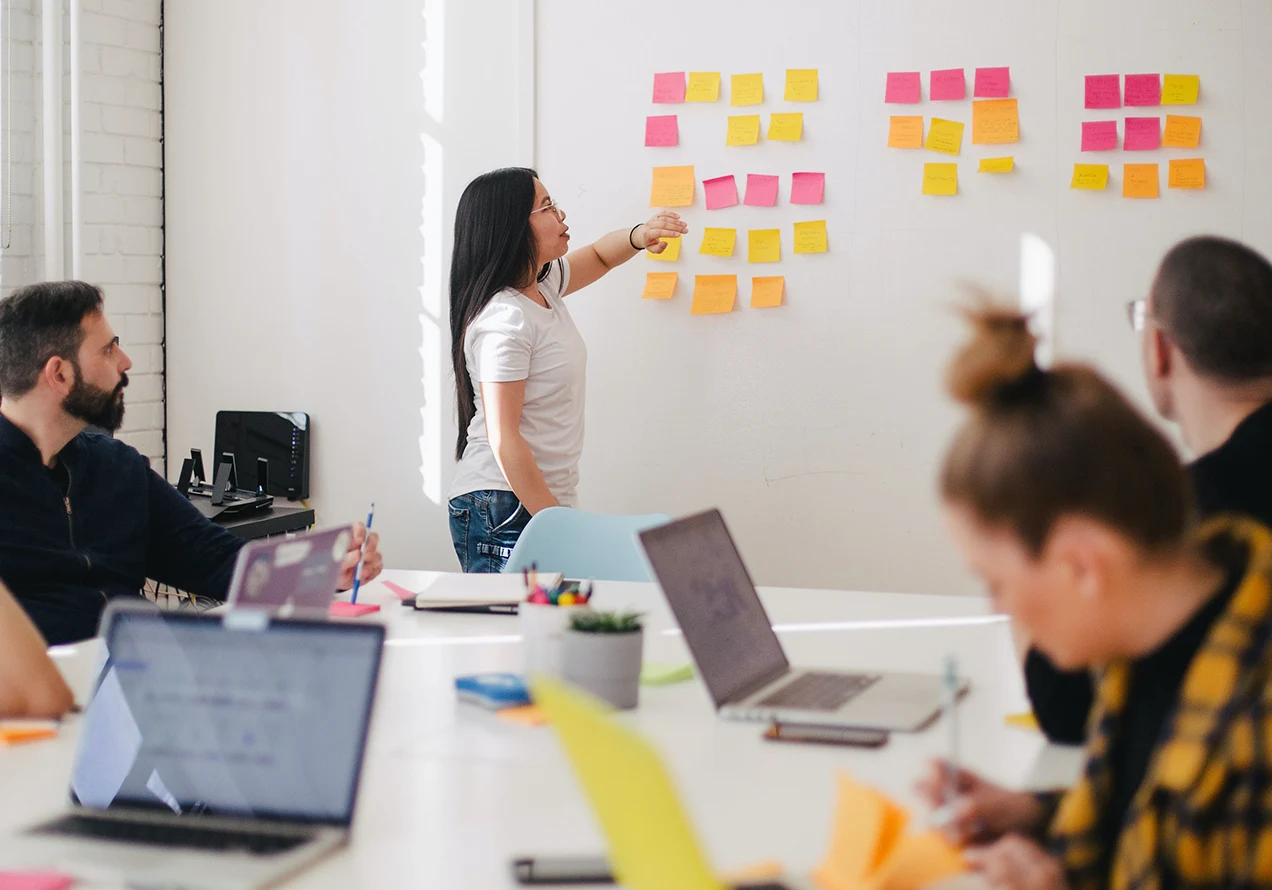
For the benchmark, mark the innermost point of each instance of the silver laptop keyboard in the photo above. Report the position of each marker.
(190, 836)
(819, 692)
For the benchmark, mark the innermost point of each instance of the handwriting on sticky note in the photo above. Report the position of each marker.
(767, 291)
(904, 88)
(718, 242)
(1099, 135)
(1139, 181)
(670, 253)
(944, 136)
(673, 187)
(704, 86)
(721, 192)
(746, 89)
(801, 85)
(786, 127)
(995, 122)
(1103, 91)
(1182, 131)
(669, 88)
(810, 237)
(1143, 89)
(992, 83)
(807, 188)
(947, 84)
(997, 165)
(764, 246)
(905, 131)
(1142, 134)
(1187, 173)
(1090, 176)
(1180, 89)
(940, 179)
(659, 285)
(713, 294)
(744, 129)
(761, 190)
(661, 130)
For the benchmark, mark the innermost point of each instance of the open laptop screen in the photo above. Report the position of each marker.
(234, 716)
(719, 612)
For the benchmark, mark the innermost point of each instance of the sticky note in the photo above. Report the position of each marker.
(34, 880)
(992, 83)
(17, 732)
(1090, 176)
(807, 188)
(704, 86)
(718, 242)
(525, 715)
(801, 85)
(654, 673)
(764, 246)
(947, 84)
(786, 127)
(342, 609)
(767, 291)
(746, 89)
(1142, 134)
(1189, 173)
(673, 187)
(944, 136)
(1182, 131)
(1099, 135)
(1143, 89)
(670, 254)
(995, 122)
(905, 131)
(744, 129)
(1180, 89)
(919, 860)
(761, 190)
(661, 130)
(659, 285)
(904, 88)
(399, 591)
(940, 179)
(1103, 91)
(713, 294)
(721, 192)
(1023, 720)
(669, 88)
(1139, 181)
(996, 165)
(810, 237)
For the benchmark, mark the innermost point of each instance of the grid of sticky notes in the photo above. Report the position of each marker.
(1141, 131)
(676, 185)
(995, 120)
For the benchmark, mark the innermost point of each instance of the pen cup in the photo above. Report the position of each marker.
(542, 631)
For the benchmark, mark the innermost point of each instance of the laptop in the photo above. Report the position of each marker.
(290, 576)
(739, 656)
(218, 751)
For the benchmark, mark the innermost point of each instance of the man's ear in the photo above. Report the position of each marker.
(1160, 352)
(59, 374)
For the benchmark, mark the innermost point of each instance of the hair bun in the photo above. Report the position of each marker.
(999, 357)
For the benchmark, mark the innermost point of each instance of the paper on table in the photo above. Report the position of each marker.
(1139, 181)
(905, 131)
(721, 192)
(767, 291)
(34, 880)
(718, 242)
(714, 294)
(810, 237)
(1103, 91)
(940, 179)
(764, 245)
(807, 188)
(1182, 131)
(787, 127)
(1099, 135)
(1090, 176)
(525, 715)
(661, 130)
(659, 285)
(746, 89)
(944, 136)
(995, 122)
(997, 165)
(670, 254)
(1187, 173)
(1142, 134)
(761, 190)
(801, 85)
(1143, 90)
(904, 87)
(673, 187)
(744, 129)
(476, 588)
(947, 84)
(992, 83)
(704, 86)
(669, 88)
(1180, 89)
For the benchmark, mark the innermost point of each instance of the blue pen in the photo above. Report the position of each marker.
(357, 572)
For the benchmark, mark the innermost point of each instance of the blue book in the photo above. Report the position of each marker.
(493, 691)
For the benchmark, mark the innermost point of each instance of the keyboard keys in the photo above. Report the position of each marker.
(816, 691)
(167, 835)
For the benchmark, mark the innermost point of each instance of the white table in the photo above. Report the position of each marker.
(450, 793)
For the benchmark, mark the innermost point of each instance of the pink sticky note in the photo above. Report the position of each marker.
(807, 188)
(34, 880)
(1103, 91)
(661, 130)
(1142, 134)
(341, 609)
(400, 592)
(721, 192)
(1099, 135)
(761, 190)
(1143, 89)
(904, 87)
(669, 88)
(992, 83)
(947, 84)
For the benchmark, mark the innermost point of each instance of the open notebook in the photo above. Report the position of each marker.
(473, 593)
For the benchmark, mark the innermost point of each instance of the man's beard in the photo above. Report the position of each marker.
(99, 407)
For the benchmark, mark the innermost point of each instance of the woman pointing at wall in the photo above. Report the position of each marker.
(520, 363)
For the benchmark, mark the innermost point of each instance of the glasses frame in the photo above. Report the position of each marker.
(554, 207)
(1137, 315)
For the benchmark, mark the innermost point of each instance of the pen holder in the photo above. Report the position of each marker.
(542, 629)
(604, 664)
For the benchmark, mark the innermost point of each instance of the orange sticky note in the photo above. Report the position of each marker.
(673, 187)
(905, 131)
(670, 254)
(714, 294)
(767, 291)
(995, 121)
(944, 136)
(526, 715)
(1188, 173)
(917, 861)
(1182, 131)
(659, 285)
(1139, 181)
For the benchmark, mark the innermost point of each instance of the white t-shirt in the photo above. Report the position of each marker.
(514, 338)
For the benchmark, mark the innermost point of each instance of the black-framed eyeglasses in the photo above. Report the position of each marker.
(1137, 314)
(554, 207)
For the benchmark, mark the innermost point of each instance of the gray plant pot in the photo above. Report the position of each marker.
(606, 665)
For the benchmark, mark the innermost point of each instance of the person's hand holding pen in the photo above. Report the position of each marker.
(372, 560)
(980, 811)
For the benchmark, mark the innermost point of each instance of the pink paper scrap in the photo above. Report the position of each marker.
(761, 190)
(807, 188)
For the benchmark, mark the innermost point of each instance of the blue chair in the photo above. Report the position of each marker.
(584, 545)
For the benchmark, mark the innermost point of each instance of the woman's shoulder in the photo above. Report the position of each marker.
(504, 312)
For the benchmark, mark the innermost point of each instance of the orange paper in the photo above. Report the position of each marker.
(995, 121)
(659, 285)
(714, 294)
(526, 715)
(1139, 181)
(673, 187)
(1182, 131)
(905, 131)
(766, 291)
(1189, 173)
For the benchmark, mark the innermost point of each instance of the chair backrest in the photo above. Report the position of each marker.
(584, 545)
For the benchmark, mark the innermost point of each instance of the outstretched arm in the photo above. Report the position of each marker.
(588, 264)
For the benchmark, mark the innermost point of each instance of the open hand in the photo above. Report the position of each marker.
(664, 225)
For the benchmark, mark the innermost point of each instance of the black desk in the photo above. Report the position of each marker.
(276, 520)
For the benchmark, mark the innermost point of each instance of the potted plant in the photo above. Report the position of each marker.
(601, 653)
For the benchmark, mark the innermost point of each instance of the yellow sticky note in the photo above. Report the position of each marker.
(1180, 89)
(713, 294)
(995, 122)
(1187, 173)
(1090, 176)
(704, 86)
(718, 242)
(1025, 720)
(801, 85)
(764, 245)
(744, 129)
(997, 165)
(673, 187)
(671, 254)
(786, 127)
(945, 136)
(905, 131)
(746, 89)
(659, 285)
(1139, 181)
(940, 179)
(767, 291)
(1182, 131)
(810, 237)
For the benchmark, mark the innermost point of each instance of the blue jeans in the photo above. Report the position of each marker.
(485, 526)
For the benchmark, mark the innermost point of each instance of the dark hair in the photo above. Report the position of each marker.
(494, 249)
(1213, 297)
(38, 322)
(1045, 444)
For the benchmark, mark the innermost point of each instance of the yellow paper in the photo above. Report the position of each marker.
(1180, 89)
(671, 254)
(659, 285)
(673, 187)
(744, 129)
(995, 122)
(944, 136)
(1025, 720)
(810, 237)
(1090, 176)
(703, 86)
(746, 89)
(997, 165)
(1139, 181)
(1188, 173)
(905, 131)
(767, 291)
(718, 242)
(764, 245)
(940, 179)
(801, 85)
(713, 294)
(786, 127)
(1182, 131)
